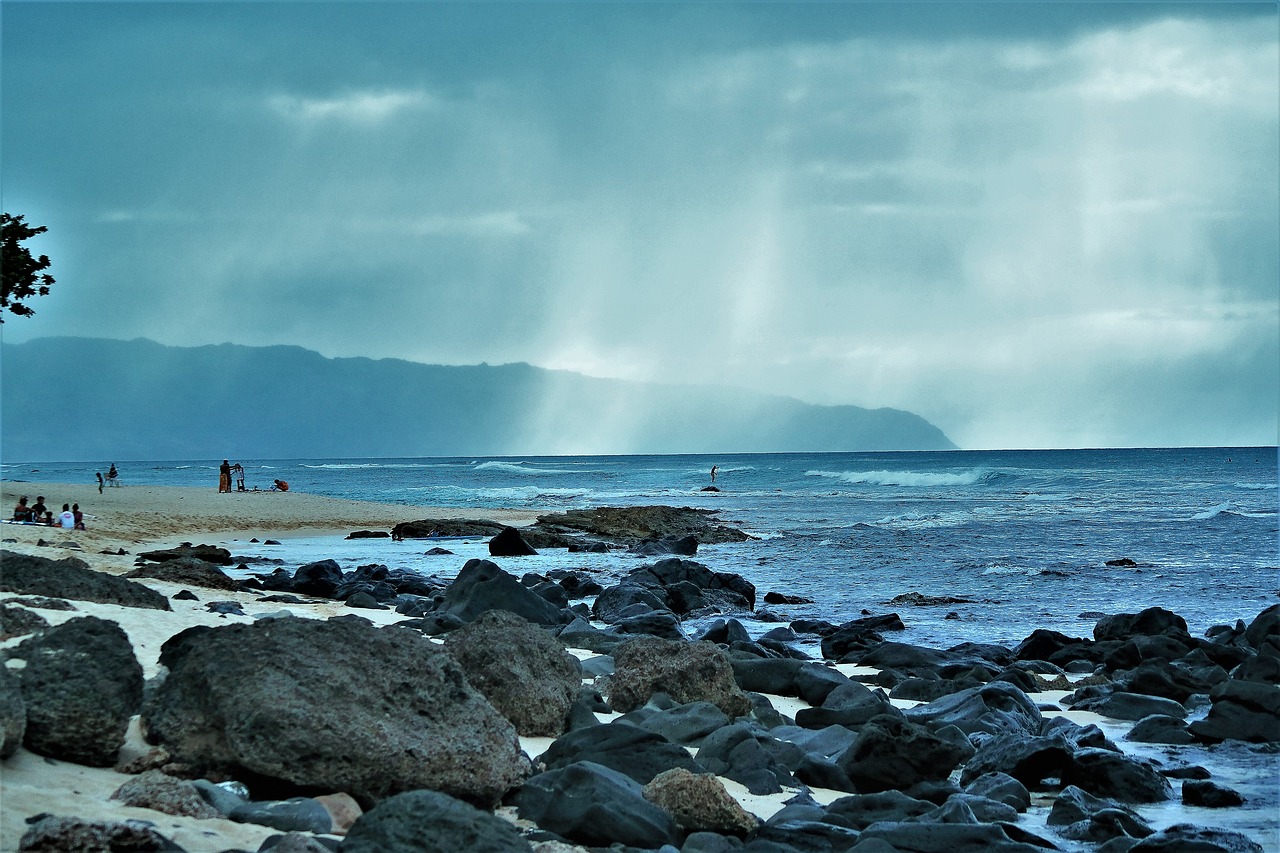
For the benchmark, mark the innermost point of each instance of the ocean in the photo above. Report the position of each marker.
(1023, 537)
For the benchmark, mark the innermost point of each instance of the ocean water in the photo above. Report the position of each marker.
(1023, 536)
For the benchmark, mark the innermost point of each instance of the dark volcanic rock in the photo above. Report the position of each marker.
(431, 822)
(368, 534)
(1160, 729)
(1242, 710)
(57, 834)
(687, 672)
(745, 753)
(1202, 792)
(186, 570)
(509, 543)
(594, 805)
(208, 553)
(19, 621)
(1027, 759)
(952, 838)
(628, 525)
(13, 713)
(721, 588)
(432, 528)
(893, 753)
(995, 707)
(72, 578)
(859, 811)
(1150, 622)
(298, 705)
(635, 752)
(154, 790)
(684, 546)
(523, 672)
(1104, 773)
(1186, 838)
(81, 685)
(482, 586)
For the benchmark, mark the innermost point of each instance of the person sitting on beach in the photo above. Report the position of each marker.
(47, 520)
(67, 517)
(78, 516)
(38, 511)
(279, 486)
(22, 512)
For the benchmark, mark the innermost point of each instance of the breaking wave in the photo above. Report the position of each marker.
(911, 478)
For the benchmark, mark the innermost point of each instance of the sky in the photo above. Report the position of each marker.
(1034, 224)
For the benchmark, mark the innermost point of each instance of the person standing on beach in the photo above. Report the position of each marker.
(99, 473)
(238, 470)
(224, 476)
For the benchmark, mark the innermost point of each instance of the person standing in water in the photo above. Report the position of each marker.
(714, 469)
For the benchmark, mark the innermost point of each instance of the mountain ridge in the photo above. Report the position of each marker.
(283, 401)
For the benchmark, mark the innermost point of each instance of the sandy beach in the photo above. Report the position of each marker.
(161, 514)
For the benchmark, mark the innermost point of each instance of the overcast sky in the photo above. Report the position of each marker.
(1036, 225)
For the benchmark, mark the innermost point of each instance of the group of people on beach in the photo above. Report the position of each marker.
(71, 518)
(113, 477)
(226, 471)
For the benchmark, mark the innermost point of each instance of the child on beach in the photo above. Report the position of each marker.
(99, 473)
(77, 516)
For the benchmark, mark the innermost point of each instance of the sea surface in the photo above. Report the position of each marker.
(1023, 536)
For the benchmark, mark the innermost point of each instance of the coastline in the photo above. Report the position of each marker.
(162, 515)
(135, 518)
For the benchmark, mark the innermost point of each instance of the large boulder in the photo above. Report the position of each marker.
(724, 588)
(1114, 775)
(1266, 625)
(523, 672)
(482, 586)
(431, 822)
(208, 553)
(57, 833)
(595, 806)
(80, 686)
(1150, 622)
(509, 543)
(995, 707)
(635, 752)
(687, 672)
(893, 753)
(1186, 838)
(1029, 760)
(1241, 710)
(628, 525)
(188, 571)
(27, 574)
(699, 802)
(301, 704)
(13, 713)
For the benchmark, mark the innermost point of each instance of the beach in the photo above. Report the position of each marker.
(137, 518)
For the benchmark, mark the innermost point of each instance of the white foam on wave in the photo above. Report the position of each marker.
(1229, 510)
(351, 466)
(523, 468)
(908, 478)
(1256, 487)
(923, 520)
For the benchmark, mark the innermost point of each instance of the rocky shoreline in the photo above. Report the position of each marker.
(569, 710)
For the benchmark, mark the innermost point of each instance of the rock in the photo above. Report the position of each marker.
(337, 705)
(431, 822)
(745, 753)
(1202, 792)
(207, 553)
(319, 579)
(784, 598)
(1002, 788)
(482, 586)
(56, 834)
(682, 724)
(1029, 760)
(225, 608)
(720, 588)
(1241, 710)
(660, 624)
(699, 803)
(1150, 622)
(861, 810)
(1073, 805)
(368, 534)
(19, 621)
(687, 672)
(72, 578)
(628, 525)
(1160, 729)
(1131, 706)
(154, 790)
(297, 814)
(81, 685)
(225, 797)
(996, 707)
(296, 842)
(1186, 838)
(915, 599)
(1123, 562)
(767, 675)
(684, 546)
(13, 713)
(523, 672)
(1266, 625)
(186, 570)
(509, 543)
(1104, 773)
(952, 838)
(437, 552)
(593, 805)
(630, 750)
(893, 753)
(615, 603)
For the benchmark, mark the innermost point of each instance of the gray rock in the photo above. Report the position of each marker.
(334, 705)
(1202, 792)
(1132, 706)
(58, 834)
(187, 571)
(861, 810)
(1186, 838)
(72, 578)
(1160, 729)
(523, 672)
(1027, 759)
(996, 707)
(1241, 710)
(687, 672)
(1104, 773)
(19, 621)
(630, 750)
(81, 685)
(155, 790)
(951, 838)
(699, 803)
(482, 586)
(13, 713)
(207, 553)
(431, 822)
(593, 805)
(509, 543)
(1002, 788)
(297, 814)
(893, 753)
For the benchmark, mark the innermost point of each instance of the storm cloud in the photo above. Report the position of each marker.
(1036, 225)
